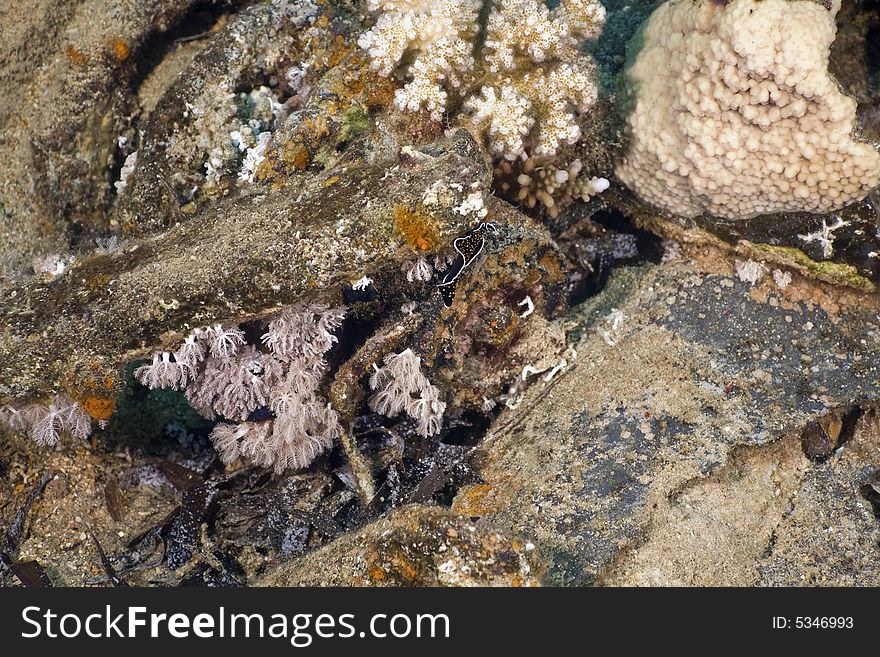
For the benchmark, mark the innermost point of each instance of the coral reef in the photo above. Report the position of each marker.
(317, 332)
(733, 112)
(111, 308)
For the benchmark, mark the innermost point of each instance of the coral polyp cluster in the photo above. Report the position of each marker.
(532, 181)
(225, 377)
(734, 112)
(267, 397)
(46, 422)
(520, 80)
(401, 386)
(440, 33)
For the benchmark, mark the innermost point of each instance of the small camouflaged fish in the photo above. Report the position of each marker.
(468, 247)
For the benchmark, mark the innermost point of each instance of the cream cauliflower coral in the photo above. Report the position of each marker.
(522, 85)
(734, 112)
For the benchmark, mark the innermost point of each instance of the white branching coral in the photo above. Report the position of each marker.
(401, 386)
(614, 321)
(520, 29)
(825, 236)
(223, 376)
(585, 18)
(266, 111)
(734, 112)
(46, 422)
(566, 90)
(439, 34)
(523, 86)
(506, 118)
(544, 78)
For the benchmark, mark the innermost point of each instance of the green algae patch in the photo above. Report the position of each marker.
(830, 272)
(354, 122)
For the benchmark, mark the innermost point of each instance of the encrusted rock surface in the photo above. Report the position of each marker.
(415, 546)
(668, 451)
(68, 69)
(696, 389)
(246, 257)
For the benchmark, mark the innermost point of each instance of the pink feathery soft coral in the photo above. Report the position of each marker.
(162, 372)
(46, 422)
(223, 376)
(401, 386)
(224, 342)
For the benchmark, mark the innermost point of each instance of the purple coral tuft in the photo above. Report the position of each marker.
(46, 422)
(237, 379)
(401, 386)
(224, 342)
